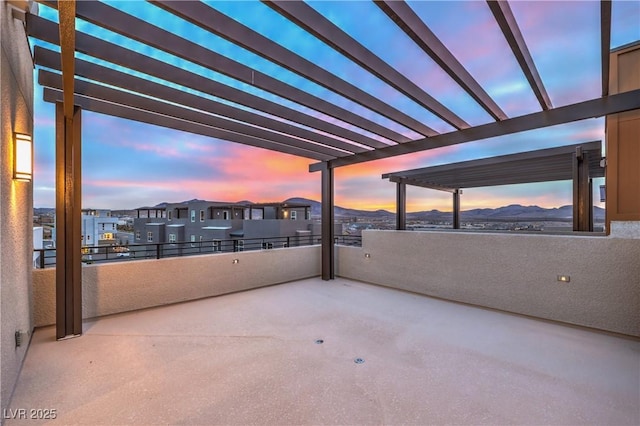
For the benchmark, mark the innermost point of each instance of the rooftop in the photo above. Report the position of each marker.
(253, 358)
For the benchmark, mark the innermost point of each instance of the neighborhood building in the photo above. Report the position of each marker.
(212, 222)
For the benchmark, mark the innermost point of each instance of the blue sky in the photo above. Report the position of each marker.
(128, 164)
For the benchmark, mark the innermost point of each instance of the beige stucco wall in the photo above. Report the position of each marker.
(515, 273)
(16, 210)
(136, 284)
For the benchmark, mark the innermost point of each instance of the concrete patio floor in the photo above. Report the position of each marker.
(252, 358)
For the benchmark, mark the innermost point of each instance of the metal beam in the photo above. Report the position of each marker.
(507, 22)
(142, 31)
(68, 221)
(415, 182)
(220, 24)
(315, 23)
(599, 107)
(51, 59)
(542, 165)
(402, 14)
(401, 206)
(456, 209)
(108, 108)
(120, 97)
(67, 34)
(582, 193)
(605, 43)
(503, 173)
(47, 31)
(328, 267)
(501, 159)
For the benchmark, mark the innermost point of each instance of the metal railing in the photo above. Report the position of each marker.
(100, 254)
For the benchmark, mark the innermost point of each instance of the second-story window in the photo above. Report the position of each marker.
(149, 236)
(225, 215)
(137, 235)
(169, 214)
(201, 215)
(193, 215)
(294, 215)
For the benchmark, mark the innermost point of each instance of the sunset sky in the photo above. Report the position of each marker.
(128, 164)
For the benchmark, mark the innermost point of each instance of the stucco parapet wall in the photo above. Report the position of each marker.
(626, 229)
(515, 273)
(131, 285)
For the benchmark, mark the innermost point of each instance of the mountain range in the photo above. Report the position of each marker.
(513, 211)
(510, 212)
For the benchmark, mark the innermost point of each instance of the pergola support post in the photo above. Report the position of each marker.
(582, 193)
(456, 208)
(68, 219)
(401, 206)
(328, 267)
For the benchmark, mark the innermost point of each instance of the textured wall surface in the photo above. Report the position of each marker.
(625, 229)
(130, 285)
(16, 205)
(515, 273)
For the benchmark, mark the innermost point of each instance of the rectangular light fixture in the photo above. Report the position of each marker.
(22, 157)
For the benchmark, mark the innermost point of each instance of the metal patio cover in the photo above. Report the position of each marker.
(545, 165)
(238, 116)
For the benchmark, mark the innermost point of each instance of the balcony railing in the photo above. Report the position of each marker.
(100, 254)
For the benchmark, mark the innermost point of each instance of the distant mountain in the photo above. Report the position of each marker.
(165, 204)
(340, 211)
(513, 211)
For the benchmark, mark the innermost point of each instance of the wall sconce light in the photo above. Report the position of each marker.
(367, 255)
(22, 157)
(235, 261)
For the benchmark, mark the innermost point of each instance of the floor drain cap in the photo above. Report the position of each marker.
(358, 361)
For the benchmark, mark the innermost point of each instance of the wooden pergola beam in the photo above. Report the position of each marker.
(67, 26)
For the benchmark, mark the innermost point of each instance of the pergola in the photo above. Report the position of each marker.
(74, 84)
(580, 163)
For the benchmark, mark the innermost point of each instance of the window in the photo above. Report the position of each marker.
(307, 214)
(267, 246)
(216, 245)
(137, 235)
(240, 245)
(169, 214)
(149, 236)
(193, 240)
(294, 215)
(88, 237)
(193, 215)
(225, 215)
(172, 238)
(201, 215)
(107, 236)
